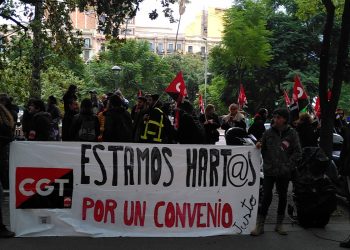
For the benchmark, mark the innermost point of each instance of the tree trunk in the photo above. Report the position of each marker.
(327, 119)
(329, 108)
(37, 60)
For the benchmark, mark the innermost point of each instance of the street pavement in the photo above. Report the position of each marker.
(327, 238)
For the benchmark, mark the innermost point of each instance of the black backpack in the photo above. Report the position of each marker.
(87, 131)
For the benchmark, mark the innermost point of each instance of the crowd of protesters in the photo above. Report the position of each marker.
(108, 119)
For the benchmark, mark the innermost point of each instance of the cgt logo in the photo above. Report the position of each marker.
(43, 187)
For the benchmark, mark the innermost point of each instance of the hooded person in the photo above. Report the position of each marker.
(118, 123)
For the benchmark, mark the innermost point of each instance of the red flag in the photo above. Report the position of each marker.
(201, 104)
(299, 92)
(317, 107)
(139, 93)
(286, 98)
(329, 95)
(177, 88)
(242, 99)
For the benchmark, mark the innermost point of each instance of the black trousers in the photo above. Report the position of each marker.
(282, 189)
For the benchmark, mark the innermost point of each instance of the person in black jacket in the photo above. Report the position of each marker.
(344, 169)
(118, 123)
(258, 127)
(308, 135)
(68, 119)
(55, 116)
(85, 125)
(190, 130)
(6, 135)
(69, 96)
(211, 123)
(40, 124)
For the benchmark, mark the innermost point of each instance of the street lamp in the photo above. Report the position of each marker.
(205, 70)
(116, 69)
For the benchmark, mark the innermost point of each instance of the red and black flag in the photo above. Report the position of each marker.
(299, 94)
(299, 101)
(177, 88)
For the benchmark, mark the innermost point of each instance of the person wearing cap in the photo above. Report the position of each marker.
(281, 152)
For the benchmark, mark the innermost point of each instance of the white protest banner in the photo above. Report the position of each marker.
(119, 189)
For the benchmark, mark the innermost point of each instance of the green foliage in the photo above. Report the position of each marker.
(214, 94)
(344, 98)
(245, 37)
(143, 70)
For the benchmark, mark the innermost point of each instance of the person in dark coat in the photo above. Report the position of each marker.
(344, 169)
(190, 130)
(40, 122)
(281, 152)
(68, 119)
(308, 135)
(69, 96)
(55, 116)
(118, 123)
(6, 136)
(137, 114)
(211, 123)
(258, 127)
(85, 125)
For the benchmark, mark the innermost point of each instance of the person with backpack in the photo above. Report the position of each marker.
(117, 122)
(85, 125)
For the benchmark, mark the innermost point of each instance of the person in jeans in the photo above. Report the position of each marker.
(281, 152)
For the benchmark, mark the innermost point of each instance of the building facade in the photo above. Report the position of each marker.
(197, 37)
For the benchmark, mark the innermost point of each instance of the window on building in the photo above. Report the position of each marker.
(103, 47)
(203, 50)
(160, 48)
(178, 46)
(87, 43)
(190, 49)
(170, 47)
(86, 55)
(1, 45)
(151, 47)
